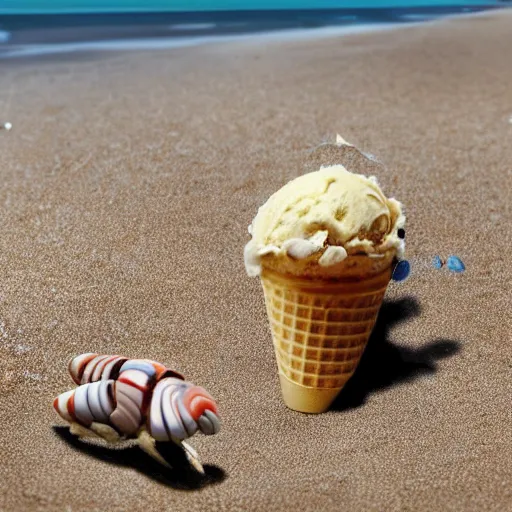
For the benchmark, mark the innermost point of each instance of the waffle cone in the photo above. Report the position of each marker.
(320, 329)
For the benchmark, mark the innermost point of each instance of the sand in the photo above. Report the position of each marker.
(128, 182)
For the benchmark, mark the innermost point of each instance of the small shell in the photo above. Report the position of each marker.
(340, 141)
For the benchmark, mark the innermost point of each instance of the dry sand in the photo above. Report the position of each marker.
(128, 182)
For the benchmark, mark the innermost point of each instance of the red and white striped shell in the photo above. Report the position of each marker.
(129, 394)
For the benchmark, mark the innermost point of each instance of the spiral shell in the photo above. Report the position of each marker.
(92, 367)
(178, 409)
(87, 403)
(128, 394)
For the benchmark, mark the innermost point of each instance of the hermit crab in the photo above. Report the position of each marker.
(118, 399)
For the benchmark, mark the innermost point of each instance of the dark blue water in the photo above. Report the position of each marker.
(58, 30)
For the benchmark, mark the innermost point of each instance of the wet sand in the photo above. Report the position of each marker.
(128, 182)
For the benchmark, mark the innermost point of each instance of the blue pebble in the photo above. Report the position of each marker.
(437, 262)
(402, 270)
(454, 263)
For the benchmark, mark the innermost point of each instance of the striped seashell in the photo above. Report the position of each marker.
(178, 409)
(91, 367)
(87, 403)
(128, 394)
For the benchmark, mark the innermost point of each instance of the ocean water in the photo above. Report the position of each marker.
(95, 6)
(37, 27)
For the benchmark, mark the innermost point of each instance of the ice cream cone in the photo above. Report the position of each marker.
(320, 329)
(324, 246)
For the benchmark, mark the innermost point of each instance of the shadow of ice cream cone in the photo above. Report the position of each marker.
(385, 364)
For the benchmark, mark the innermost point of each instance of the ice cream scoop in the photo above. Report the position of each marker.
(328, 214)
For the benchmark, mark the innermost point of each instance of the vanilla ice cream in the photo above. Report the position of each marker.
(326, 216)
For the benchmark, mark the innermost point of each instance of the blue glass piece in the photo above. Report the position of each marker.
(402, 270)
(454, 263)
(437, 262)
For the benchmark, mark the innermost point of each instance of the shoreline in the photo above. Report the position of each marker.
(199, 31)
(19, 52)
